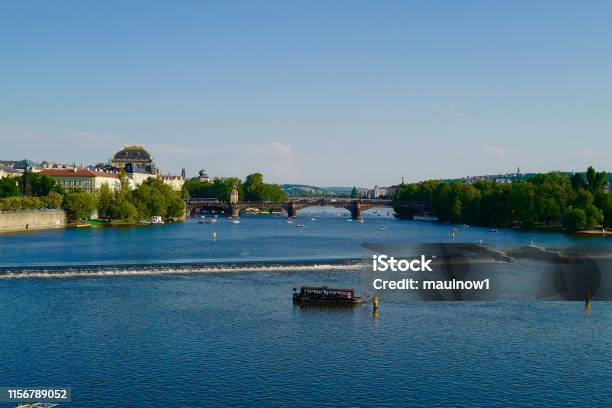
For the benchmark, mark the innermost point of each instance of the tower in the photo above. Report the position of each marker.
(234, 196)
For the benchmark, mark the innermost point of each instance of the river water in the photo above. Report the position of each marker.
(102, 310)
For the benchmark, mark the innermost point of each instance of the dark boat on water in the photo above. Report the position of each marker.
(323, 294)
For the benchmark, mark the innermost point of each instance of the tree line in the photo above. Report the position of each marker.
(152, 197)
(30, 192)
(575, 203)
(252, 189)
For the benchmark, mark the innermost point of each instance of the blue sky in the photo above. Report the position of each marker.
(325, 93)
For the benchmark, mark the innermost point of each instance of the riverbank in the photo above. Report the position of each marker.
(605, 233)
(31, 220)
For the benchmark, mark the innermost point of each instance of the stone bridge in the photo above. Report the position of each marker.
(291, 207)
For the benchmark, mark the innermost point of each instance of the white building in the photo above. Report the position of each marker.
(87, 180)
(378, 192)
(8, 171)
(176, 182)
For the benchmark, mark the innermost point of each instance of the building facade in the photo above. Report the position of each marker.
(8, 171)
(136, 162)
(378, 192)
(134, 159)
(86, 180)
(176, 182)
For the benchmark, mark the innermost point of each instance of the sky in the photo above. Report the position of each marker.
(329, 93)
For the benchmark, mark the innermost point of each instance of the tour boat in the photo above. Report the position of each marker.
(493, 230)
(323, 294)
(299, 226)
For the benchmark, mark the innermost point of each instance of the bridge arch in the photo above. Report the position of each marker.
(355, 206)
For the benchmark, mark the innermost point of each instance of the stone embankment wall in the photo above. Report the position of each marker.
(11, 221)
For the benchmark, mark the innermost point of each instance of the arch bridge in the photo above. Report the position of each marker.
(355, 206)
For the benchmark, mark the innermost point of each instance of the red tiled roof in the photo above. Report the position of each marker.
(77, 173)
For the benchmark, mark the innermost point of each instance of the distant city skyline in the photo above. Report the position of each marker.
(316, 93)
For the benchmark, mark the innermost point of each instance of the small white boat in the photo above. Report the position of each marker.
(381, 227)
(299, 226)
(349, 220)
(235, 221)
(313, 219)
(157, 219)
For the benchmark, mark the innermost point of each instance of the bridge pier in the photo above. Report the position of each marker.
(356, 211)
(291, 210)
(403, 209)
(234, 211)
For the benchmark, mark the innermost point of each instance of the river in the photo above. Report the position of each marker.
(102, 310)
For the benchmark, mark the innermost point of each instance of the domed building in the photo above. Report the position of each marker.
(134, 159)
(203, 176)
(136, 162)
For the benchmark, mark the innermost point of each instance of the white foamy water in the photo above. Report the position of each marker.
(102, 271)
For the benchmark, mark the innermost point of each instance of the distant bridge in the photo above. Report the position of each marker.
(291, 207)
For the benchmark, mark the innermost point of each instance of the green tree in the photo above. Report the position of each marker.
(577, 181)
(79, 205)
(105, 202)
(154, 197)
(594, 216)
(149, 201)
(9, 187)
(596, 181)
(574, 219)
(608, 216)
(37, 185)
(22, 203)
(354, 193)
(176, 208)
(253, 187)
(125, 211)
(521, 200)
(55, 199)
